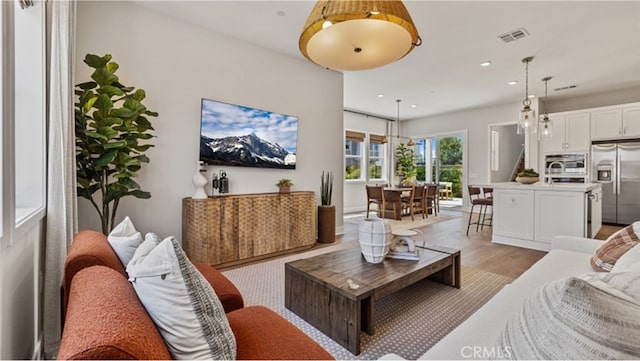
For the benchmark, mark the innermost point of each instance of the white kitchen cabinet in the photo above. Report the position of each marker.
(570, 133)
(631, 121)
(531, 215)
(552, 206)
(615, 123)
(513, 214)
(606, 124)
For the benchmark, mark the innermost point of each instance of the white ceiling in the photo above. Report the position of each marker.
(592, 44)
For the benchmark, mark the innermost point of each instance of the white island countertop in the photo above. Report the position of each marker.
(540, 186)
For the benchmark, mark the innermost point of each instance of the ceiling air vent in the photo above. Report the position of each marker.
(565, 88)
(513, 35)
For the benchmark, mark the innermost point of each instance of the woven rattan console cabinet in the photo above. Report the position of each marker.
(233, 229)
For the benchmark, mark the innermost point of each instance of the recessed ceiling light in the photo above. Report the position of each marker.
(485, 63)
(532, 95)
(414, 106)
(280, 13)
(513, 82)
(380, 95)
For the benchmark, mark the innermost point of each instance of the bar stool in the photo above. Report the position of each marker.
(480, 201)
(487, 192)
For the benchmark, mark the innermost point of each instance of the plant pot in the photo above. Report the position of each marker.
(326, 224)
(285, 189)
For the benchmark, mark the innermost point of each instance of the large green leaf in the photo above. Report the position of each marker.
(140, 194)
(87, 85)
(112, 67)
(150, 113)
(118, 144)
(103, 77)
(139, 95)
(95, 61)
(89, 104)
(110, 90)
(129, 183)
(108, 132)
(95, 135)
(104, 103)
(142, 148)
(106, 158)
(122, 113)
(134, 105)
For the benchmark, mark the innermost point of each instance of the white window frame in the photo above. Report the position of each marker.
(382, 157)
(360, 157)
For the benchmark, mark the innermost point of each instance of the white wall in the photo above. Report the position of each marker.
(619, 96)
(20, 283)
(355, 196)
(177, 64)
(510, 146)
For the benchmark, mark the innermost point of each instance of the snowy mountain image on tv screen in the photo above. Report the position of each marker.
(234, 135)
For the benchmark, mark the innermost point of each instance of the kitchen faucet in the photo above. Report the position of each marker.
(549, 170)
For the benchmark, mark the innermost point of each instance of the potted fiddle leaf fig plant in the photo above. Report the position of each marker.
(406, 164)
(111, 125)
(326, 211)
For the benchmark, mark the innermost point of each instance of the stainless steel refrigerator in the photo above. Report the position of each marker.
(617, 166)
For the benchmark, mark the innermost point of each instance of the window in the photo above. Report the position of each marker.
(376, 156)
(353, 155)
(23, 117)
(495, 151)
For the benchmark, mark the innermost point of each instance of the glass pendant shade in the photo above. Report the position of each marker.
(546, 126)
(527, 120)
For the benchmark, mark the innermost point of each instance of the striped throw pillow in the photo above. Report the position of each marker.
(616, 245)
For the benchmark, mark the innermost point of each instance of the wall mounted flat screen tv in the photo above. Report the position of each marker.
(235, 135)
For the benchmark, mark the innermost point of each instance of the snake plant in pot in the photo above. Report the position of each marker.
(111, 126)
(326, 211)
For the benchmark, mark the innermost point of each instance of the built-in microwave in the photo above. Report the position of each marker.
(566, 164)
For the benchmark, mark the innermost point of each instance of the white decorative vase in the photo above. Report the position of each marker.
(199, 181)
(375, 237)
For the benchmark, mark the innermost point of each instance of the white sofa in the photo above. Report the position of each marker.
(475, 338)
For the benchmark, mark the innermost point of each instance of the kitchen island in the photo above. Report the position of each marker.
(530, 215)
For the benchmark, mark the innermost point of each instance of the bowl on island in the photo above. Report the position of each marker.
(527, 180)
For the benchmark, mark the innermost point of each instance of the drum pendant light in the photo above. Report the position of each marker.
(358, 35)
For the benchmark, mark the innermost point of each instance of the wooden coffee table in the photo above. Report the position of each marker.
(317, 288)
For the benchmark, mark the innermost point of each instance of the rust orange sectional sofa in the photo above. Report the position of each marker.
(105, 320)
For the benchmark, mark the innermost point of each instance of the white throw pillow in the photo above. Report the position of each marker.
(181, 302)
(124, 239)
(628, 262)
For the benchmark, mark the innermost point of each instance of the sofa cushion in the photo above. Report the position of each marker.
(595, 317)
(105, 320)
(89, 248)
(616, 245)
(180, 301)
(628, 262)
(264, 335)
(124, 239)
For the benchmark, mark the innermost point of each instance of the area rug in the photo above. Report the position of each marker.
(408, 322)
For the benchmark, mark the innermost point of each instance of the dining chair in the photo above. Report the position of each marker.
(432, 199)
(407, 202)
(374, 196)
(419, 200)
(478, 201)
(391, 202)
